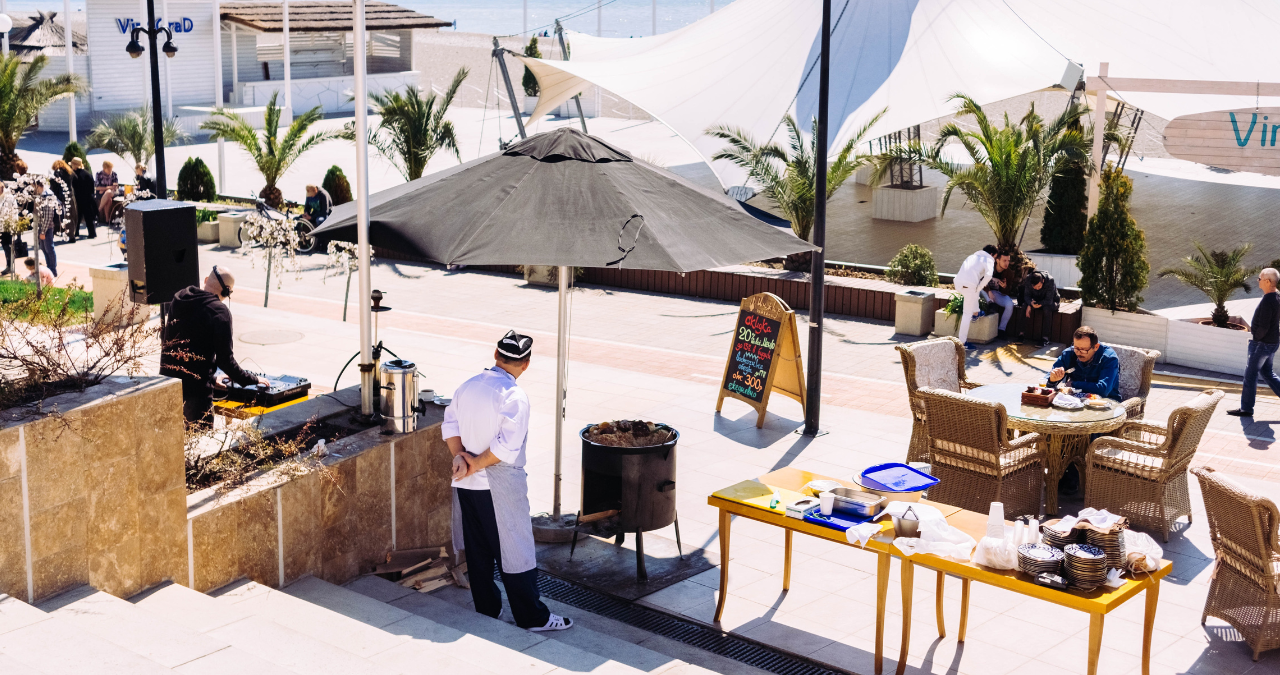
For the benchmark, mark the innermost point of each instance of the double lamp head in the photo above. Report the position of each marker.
(136, 49)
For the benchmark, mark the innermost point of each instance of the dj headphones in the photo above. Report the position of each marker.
(226, 292)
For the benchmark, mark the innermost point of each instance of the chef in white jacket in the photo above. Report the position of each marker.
(974, 274)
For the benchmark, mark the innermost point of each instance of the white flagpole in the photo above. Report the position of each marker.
(367, 376)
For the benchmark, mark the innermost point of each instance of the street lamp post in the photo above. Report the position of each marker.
(135, 50)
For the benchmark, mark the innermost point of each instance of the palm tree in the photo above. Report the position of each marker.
(788, 176)
(412, 127)
(23, 94)
(272, 154)
(131, 136)
(1218, 274)
(1011, 165)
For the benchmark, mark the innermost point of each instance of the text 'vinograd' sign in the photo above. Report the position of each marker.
(1239, 140)
(183, 25)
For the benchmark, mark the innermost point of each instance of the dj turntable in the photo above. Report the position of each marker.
(283, 388)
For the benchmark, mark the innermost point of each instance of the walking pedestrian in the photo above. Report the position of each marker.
(60, 186)
(486, 428)
(48, 216)
(974, 274)
(1265, 328)
(86, 206)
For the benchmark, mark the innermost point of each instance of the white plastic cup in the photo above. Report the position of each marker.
(995, 521)
(826, 502)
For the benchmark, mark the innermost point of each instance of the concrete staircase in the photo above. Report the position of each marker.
(315, 628)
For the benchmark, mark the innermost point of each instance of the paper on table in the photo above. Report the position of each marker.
(859, 534)
(938, 538)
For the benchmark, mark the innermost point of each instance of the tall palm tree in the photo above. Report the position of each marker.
(130, 135)
(1217, 274)
(412, 127)
(788, 176)
(1011, 167)
(23, 94)
(273, 154)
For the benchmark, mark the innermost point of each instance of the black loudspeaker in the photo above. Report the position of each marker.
(163, 253)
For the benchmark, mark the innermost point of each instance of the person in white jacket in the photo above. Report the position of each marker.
(974, 274)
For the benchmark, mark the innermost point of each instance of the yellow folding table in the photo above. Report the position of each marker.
(764, 500)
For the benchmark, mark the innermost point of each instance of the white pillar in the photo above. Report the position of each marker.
(168, 80)
(599, 18)
(367, 376)
(655, 17)
(4, 39)
(71, 68)
(288, 75)
(712, 5)
(218, 96)
(525, 28)
(235, 68)
(1099, 128)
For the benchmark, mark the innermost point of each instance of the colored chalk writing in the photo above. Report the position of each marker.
(755, 340)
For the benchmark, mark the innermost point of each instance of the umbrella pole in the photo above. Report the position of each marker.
(362, 215)
(562, 356)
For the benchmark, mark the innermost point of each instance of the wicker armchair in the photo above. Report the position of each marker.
(1244, 593)
(1136, 366)
(973, 458)
(1141, 472)
(936, 364)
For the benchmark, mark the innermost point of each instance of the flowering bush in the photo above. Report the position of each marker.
(343, 257)
(278, 243)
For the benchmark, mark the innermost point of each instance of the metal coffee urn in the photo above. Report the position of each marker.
(398, 382)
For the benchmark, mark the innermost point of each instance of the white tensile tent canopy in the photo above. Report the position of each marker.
(749, 64)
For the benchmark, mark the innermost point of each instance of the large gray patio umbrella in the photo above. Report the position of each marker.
(567, 199)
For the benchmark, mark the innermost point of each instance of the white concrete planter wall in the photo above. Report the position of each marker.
(530, 102)
(330, 93)
(1061, 267)
(863, 176)
(908, 206)
(981, 330)
(1219, 349)
(1148, 331)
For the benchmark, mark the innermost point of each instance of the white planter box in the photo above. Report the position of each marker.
(110, 284)
(1218, 349)
(907, 206)
(530, 102)
(1148, 331)
(207, 232)
(863, 175)
(982, 330)
(914, 313)
(1061, 267)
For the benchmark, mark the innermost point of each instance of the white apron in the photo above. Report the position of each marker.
(509, 487)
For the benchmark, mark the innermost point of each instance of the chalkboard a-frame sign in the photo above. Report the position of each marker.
(765, 356)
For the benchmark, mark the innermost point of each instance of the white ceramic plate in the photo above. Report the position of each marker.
(1067, 402)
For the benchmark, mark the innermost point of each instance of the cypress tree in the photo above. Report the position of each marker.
(1065, 212)
(195, 182)
(530, 82)
(1113, 264)
(335, 183)
(72, 150)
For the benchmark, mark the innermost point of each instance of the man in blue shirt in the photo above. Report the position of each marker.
(1088, 365)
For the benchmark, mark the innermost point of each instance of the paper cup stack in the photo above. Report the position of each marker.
(1085, 566)
(1039, 558)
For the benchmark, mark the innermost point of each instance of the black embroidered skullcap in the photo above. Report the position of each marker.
(514, 345)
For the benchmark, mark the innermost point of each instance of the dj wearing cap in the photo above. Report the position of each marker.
(198, 343)
(486, 428)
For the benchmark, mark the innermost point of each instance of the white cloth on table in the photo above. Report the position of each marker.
(489, 412)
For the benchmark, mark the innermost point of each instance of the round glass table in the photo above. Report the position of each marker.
(1065, 432)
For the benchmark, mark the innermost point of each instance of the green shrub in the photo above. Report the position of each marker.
(913, 266)
(530, 82)
(73, 150)
(1113, 264)
(205, 215)
(956, 305)
(195, 182)
(335, 183)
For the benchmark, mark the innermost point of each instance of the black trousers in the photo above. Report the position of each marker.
(484, 553)
(1047, 314)
(6, 240)
(87, 211)
(197, 402)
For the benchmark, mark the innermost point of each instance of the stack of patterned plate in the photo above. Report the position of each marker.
(1112, 543)
(1037, 558)
(1058, 539)
(1085, 566)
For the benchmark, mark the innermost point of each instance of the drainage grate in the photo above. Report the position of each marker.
(717, 642)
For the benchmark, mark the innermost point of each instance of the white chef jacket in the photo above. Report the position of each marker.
(976, 271)
(489, 411)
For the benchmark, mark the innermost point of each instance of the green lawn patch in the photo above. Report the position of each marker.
(54, 299)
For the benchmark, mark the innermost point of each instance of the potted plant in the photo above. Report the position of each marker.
(1217, 274)
(983, 329)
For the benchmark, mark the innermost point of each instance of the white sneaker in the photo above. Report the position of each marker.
(555, 622)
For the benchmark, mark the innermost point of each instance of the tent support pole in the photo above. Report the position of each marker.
(367, 376)
(511, 92)
(1099, 130)
(813, 397)
(564, 56)
(562, 365)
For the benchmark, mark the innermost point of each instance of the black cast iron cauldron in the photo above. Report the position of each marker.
(638, 485)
